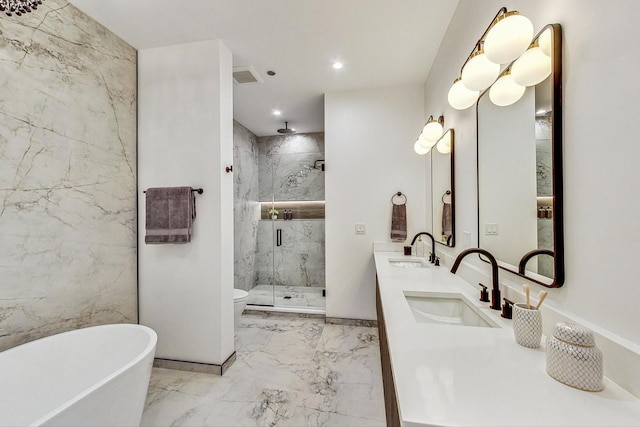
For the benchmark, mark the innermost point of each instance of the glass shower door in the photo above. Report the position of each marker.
(290, 249)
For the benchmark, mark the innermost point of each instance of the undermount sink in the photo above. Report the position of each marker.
(409, 263)
(447, 309)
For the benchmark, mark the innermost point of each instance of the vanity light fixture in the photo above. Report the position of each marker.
(431, 132)
(433, 129)
(508, 37)
(505, 91)
(532, 67)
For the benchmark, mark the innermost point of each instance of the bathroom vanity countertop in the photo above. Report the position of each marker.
(478, 376)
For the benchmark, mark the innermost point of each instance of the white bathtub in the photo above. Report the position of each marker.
(95, 376)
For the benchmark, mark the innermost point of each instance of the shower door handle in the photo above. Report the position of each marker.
(279, 237)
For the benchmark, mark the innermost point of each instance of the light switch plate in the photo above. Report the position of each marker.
(491, 229)
(466, 239)
(360, 229)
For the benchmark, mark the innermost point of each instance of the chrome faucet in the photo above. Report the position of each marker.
(495, 292)
(432, 255)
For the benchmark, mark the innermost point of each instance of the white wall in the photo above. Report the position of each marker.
(186, 138)
(369, 137)
(602, 230)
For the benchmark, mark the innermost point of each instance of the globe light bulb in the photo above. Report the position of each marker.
(460, 97)
(419, 149)
(532, 67)
(508, 38)
(478, 73)
(505, 91)
(433, 130)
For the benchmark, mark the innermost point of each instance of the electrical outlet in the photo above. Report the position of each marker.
(491, 229)
(360, 229)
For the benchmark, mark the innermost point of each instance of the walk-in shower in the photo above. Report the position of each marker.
(280, 259)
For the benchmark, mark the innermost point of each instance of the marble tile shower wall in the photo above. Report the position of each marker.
(286, 167)
(544, 182)
(67, 174)
(246, 209)
(287, 173)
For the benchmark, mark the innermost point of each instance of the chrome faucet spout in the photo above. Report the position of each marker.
(495, 292)
(432, 257)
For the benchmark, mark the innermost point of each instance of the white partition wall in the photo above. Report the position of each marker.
(185, 138)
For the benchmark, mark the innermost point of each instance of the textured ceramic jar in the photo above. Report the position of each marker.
(573, 359)
(527, 325)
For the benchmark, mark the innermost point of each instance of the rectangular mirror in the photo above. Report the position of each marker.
(442, 190)
(520, 174)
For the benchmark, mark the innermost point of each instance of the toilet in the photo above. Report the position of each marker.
(239, 303)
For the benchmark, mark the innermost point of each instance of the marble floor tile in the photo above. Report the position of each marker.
(290, 371)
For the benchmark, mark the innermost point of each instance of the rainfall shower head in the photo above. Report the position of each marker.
(286, 129)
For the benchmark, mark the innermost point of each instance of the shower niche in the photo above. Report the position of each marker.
(290, 255)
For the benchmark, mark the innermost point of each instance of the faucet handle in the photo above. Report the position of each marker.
(436, 260)
(484, 295)
(507, 309)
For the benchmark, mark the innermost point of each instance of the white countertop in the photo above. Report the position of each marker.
(456, 375)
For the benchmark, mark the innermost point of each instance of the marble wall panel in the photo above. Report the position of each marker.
(544, 166)
(545, 241)
(286, 167)
(246, 209)
(67, 174)
(299, 261)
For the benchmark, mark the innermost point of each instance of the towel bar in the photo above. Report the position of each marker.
(198, 190)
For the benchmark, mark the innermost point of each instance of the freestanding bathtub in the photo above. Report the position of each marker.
(96, 376)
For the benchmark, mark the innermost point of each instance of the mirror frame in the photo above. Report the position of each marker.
(452, 189)
(556, 162)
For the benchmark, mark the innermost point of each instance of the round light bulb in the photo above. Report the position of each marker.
(460, 97)
(419, 149)
(505, 91)
(337, 65)
(532, 67)
(545, 41)
(433, 130)
(426, 143)
(508, 38)
(478, 73)
(443, 147)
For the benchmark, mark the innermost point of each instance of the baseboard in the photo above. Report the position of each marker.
(203, 368)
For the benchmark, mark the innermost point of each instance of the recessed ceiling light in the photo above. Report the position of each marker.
(271, 73)
(277, 112)
(337, 65)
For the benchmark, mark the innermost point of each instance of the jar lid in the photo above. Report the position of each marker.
(574, 334)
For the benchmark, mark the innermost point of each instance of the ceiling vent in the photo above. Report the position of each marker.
(246, 75)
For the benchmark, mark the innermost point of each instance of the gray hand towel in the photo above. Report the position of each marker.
(399, 223)
(169, 215)
(447, 220)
